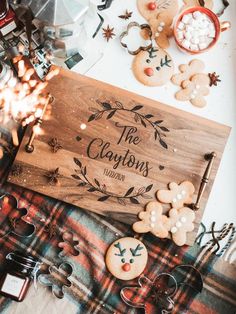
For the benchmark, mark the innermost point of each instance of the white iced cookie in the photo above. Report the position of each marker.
(126, 258)
(195, 31)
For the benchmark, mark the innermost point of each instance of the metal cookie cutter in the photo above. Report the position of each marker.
(15, 217)
(68, 245)
(58, 278)
(142, 27)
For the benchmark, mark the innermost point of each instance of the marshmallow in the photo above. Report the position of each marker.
(186, 44)
(186, 18)
(188, 35)
(189, 28)
(212, 34)
(195, 40)
(160, 28)
(202, 39)
(162, 24)
(203, 46)
(194, 47)
(197, 14)
(202, 32)
(180, 35)
(181, 26)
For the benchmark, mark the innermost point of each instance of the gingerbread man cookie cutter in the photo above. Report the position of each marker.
(15, 217)
(68, 245)
(156, 296)
(58, 278)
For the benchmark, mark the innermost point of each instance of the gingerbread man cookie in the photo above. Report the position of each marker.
(153, 220)
(161, 29)
(177, 195)
(187, 71)
(126, 258)
(150, 9)
(153, 67)
(193, 3)
(181, 223)
(194, 90)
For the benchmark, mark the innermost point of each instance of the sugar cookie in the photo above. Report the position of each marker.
(153, 67)
(187, 71)
(153, 220)
(177, 195)
(126, 258)
(194, 90)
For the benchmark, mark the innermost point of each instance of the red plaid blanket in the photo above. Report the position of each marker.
(94, 289)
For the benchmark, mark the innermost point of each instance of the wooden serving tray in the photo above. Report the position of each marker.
(118, 149)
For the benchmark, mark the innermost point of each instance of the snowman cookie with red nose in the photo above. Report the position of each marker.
(126, 258)
(153, 67)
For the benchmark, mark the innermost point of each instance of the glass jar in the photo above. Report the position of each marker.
(4, 7)
(19, 271)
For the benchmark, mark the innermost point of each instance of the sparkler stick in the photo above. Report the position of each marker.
(29, 147)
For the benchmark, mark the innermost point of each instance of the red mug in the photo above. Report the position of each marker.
(219, 27)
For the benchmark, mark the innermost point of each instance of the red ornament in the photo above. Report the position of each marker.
(126, 267)
(152, 6)
(149, 71)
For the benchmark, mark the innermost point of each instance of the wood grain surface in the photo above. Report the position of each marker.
(118, 149)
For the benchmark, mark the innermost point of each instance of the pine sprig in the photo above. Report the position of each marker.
(130, 195)
(143, 119)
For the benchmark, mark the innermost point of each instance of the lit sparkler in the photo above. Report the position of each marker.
(23, 101)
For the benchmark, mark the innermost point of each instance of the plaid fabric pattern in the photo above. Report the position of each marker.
(94, 289)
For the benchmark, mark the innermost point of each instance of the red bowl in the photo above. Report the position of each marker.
(211, 15)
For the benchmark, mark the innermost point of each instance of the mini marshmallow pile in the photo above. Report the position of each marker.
(196, 31)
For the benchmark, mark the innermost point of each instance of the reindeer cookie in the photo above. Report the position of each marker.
(187, 71)
(150, 9)
(161, 30)
(194, 90)
(126, 258)
(153, 220)
(177, 195)
(153, 67)
(193, 3)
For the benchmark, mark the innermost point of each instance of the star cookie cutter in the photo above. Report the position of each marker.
(58, 278)
(15, 217)
(143, 28)
(68, 245)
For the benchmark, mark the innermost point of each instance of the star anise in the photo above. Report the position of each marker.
(16, 170)
(55, 145)
(126, 16)
(51, 229)
(53, 176)
(214, 78)
(108, 33)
